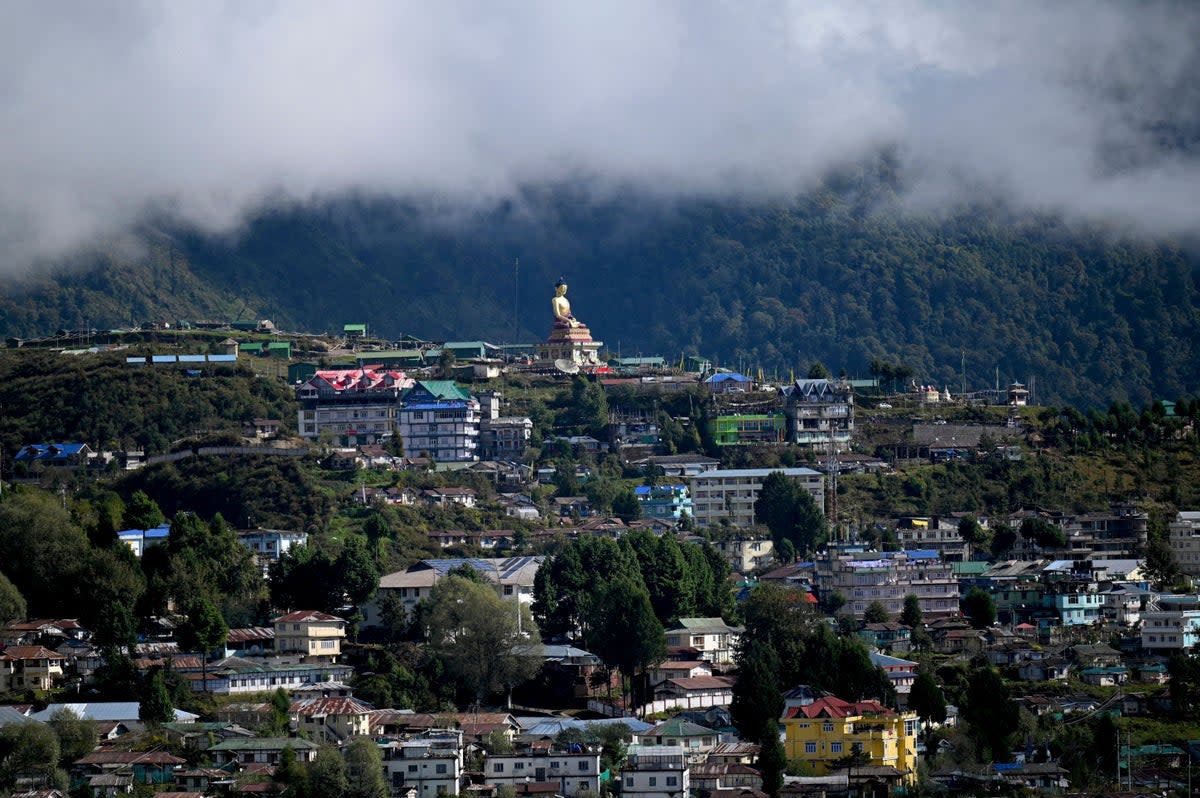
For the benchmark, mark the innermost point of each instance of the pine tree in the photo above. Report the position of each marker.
(156, 707)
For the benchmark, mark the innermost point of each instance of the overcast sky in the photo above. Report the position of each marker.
(110, 110)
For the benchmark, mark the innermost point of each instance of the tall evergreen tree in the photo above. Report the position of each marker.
(624, 630)
(156, 707)
(364, 770)
(327, 773)
(910, 616)
(757, 698)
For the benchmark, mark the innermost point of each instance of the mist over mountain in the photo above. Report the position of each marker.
(212, 113)
(827, 277)
(1012, 186)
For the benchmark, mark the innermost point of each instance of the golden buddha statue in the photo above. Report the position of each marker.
(562, 307)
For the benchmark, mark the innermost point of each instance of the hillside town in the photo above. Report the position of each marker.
(632, 600)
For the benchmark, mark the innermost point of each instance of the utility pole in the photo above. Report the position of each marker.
(962, 385)
(831, 466)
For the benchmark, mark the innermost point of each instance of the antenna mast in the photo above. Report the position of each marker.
(516, 296)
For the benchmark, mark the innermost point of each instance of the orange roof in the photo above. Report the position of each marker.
(31, 652)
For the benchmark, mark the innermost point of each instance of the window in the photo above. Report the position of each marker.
(835, 748)
(412, 768)
(672, 781)
(440, 770)
(498, 767)
(583, 765)
(508, 590)
(583, 785)
(828, 727)
(629, 781)
(519, 766)
(653, 781)
(810, 748)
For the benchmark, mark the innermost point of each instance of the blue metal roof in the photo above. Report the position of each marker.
(49, 451)
(725, 377)
(452, 405)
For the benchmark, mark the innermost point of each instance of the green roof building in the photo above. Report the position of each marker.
(281, 349)
(756, 428)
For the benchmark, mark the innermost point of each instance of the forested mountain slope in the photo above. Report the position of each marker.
(1090, 317)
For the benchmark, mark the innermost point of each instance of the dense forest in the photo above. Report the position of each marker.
(101, 401)
(834, 276)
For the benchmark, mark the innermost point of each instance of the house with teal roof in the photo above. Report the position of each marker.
(439, 419)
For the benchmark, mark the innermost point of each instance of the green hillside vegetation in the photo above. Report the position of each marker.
(833, 277)
(98, 400)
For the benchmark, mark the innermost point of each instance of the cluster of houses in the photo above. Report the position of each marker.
(369, 403)
(1052, 614)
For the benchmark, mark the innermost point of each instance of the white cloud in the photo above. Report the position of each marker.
(108, 111)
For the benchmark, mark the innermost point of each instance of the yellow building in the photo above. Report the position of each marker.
(315, 635)
(829, 729)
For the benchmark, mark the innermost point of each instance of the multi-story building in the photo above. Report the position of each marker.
(1119, 533)
(501, 437)
(1075, 605)
(655, 771)
(746, 554)
(712, 637)
(829, 729)
(1171, 623)
(315, 635)
(335, 719)
(820, 413)
(1185, 541)
(269, 544)
(932, 532)
(356, 406)
(570, 773)
(664, 502)
(730, 494)
(511, 578)
(431, 765)
(734, 429)
(863, 578)
(30, 668)
(440, 419)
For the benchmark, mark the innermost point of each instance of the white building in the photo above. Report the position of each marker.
(430, 765)
(820, 412)
(712, 637)
(731, 493)
(1171, 623)
(1185, 541)
(571, 773)
(439, 419)
(269, 544)
(655, 771)
(355, 406)
(511, 578)
(863, 578)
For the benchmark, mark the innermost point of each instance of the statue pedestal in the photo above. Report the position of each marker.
(573, 344)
